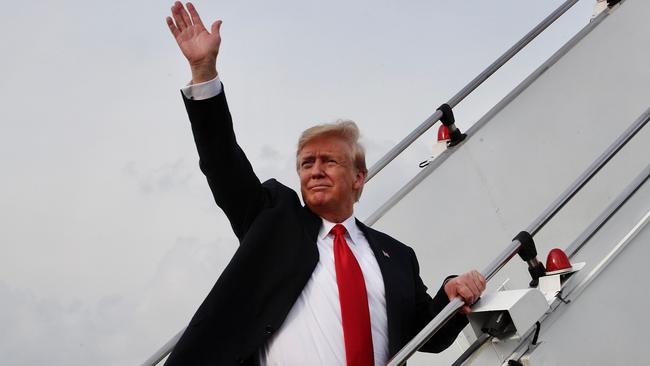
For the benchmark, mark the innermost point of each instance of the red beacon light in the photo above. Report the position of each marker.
(558, 270)
(557, 262)
(443, 133)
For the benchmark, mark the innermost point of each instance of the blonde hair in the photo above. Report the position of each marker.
(347, 131)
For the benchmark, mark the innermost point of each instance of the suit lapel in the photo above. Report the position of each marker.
(311, 226)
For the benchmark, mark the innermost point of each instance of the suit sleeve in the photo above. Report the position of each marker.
(427, 308)
(234, 185)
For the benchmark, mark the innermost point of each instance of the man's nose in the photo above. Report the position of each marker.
(316, 170)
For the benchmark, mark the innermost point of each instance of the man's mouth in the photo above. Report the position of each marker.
(319, 187)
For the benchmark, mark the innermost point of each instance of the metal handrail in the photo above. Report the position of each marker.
(165, 350)
(465, 91)
(370, 220)
(422, 128)
(580, 241)
(572, 250)
(450, 310)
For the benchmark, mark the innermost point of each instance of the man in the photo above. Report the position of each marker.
(309, 285)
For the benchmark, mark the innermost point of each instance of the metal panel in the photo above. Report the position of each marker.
(469, 208)
(605, 324)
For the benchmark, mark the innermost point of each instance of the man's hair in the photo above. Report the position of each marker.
(347, 131)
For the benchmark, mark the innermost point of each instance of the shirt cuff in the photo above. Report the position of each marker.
(204, 90)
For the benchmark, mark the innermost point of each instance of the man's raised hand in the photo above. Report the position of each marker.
(199, 46)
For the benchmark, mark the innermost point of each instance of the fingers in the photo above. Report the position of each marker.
(182, 20)
(216, 27)
(196, 19)
(172, 27)
(479, 280)
(177, 10)
(476, 282)
(185, 16)
(467, 293)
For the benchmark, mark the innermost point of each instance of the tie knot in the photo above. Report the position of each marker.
(338, 229)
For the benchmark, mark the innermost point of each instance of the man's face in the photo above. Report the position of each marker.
(329, 182)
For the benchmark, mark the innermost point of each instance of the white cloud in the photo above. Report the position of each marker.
(116, 329)
(171, 176)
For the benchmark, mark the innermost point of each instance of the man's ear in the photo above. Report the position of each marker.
(359, 179)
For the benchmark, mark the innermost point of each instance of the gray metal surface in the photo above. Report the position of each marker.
(629, 191)
(484, 120)
(514, 166)
(534, 145)
(591, 171)
(572, 291)
(502, 259)
(571, 251)
(596, 327)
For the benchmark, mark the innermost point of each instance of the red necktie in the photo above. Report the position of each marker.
(355, 315)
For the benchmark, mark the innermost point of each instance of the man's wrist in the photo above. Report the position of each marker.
(446, 281)
(449, 278)
(201, 91)
(202, 73)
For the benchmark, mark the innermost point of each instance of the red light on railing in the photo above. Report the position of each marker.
(557, 261)
(443, 133)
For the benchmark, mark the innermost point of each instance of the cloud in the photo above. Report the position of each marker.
(267, 152)
(117, 329)
(170, 176)
(47, 331)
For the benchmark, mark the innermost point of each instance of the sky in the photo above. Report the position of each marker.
(109, 236)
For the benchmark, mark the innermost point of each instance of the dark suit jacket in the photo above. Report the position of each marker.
(276, 257)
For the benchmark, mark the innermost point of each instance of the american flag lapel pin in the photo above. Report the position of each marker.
(385, 254)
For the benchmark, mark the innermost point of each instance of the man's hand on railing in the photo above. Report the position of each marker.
(468, 287)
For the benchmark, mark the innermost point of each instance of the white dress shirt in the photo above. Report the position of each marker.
(312, 333)
(204, 90)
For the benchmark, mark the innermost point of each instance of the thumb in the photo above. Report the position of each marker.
(216, 26)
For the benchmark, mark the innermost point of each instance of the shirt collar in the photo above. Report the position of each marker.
(350, 224)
